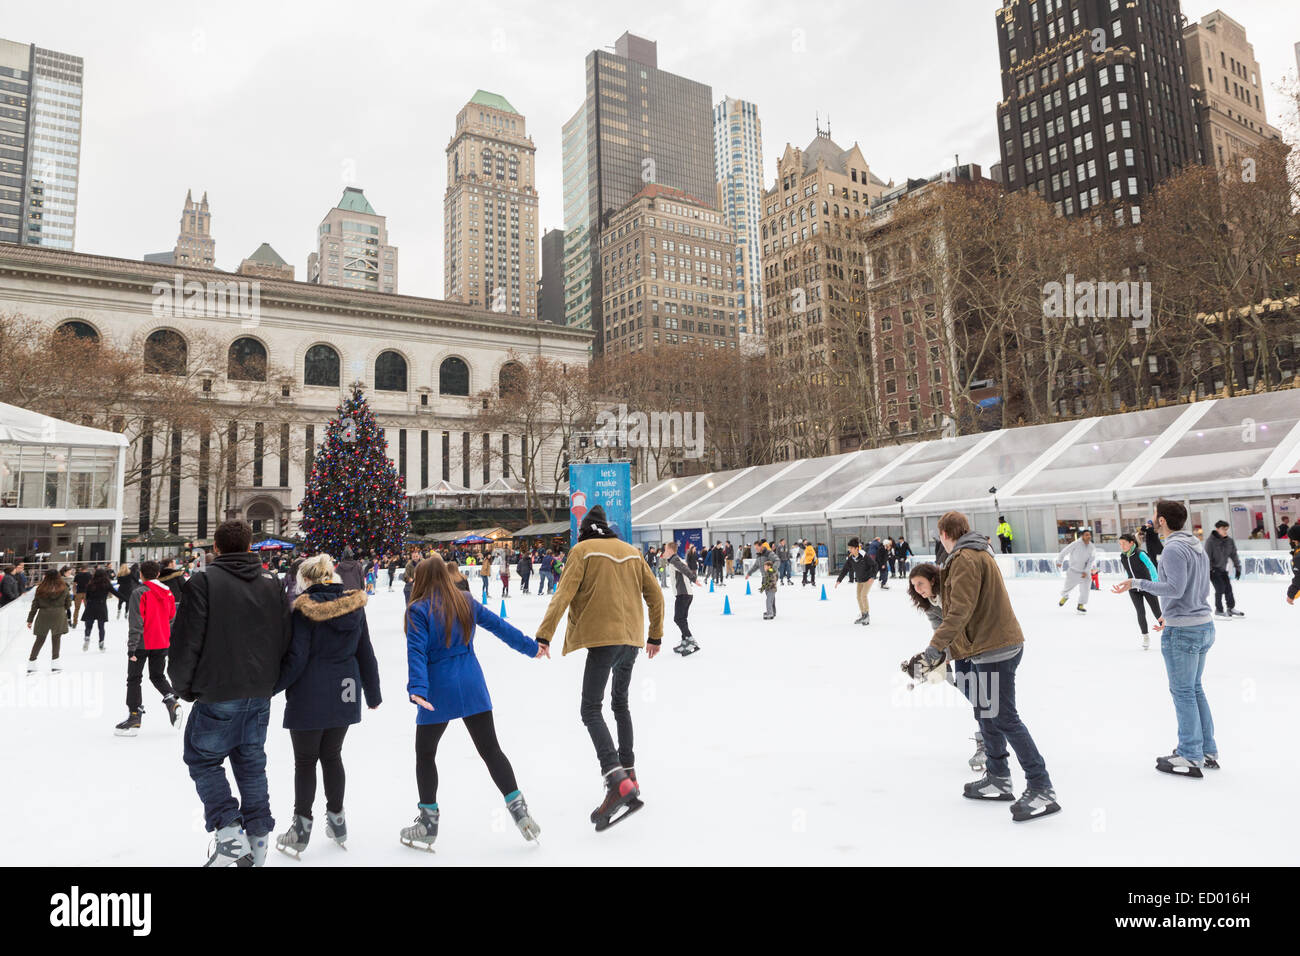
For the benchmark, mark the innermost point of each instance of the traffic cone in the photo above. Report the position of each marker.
(710, 585)
(823, 592)
(503, 606)
(747, 590)
(726, 606)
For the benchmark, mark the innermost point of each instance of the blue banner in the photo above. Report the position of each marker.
(608, 485)
(684, 536)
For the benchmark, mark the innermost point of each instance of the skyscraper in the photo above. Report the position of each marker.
(40, 145)
(490, 209)
(642, 125)
(1097, 105)
(738, 159)
(550, 300)
(353, 249)
(194, 244)
(1221, 60)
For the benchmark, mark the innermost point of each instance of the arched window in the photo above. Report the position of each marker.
(321, 366)
(165, 353)
(79, 330)
(247, 361)
(487, 162)
(453, 377)
(511, 379)
(390, 372)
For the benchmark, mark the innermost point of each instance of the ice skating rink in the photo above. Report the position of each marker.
(794, 741)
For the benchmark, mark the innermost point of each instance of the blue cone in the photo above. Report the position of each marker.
(710, 585)
(747, 590)
(823, 592)
(503, 604)
(726, 605)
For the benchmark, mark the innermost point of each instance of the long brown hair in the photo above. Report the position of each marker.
(51, 584)
(931, 573)
(434, 582)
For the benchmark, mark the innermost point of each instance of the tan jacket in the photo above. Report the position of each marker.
(604, 584)
(977, 615)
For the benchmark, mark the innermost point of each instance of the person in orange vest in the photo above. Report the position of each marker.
(809, 564)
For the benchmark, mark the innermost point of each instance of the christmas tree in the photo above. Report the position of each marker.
(354, 497)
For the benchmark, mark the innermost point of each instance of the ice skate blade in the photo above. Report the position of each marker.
(629, 808)
(416, 845)
(288, 851)
(134, 732)
(1193, 773)
(1022, 817)
(976, 766)
(1000, 798)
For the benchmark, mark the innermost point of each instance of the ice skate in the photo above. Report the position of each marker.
(259, 845)
(57, 668)
(1233, 612)
(1179, 766)
(681, 647)
(1212, 762)
(31, 667)
(129, 727)
(295, 839)
(85, 645)
(1061, 603)
(865, 620)
(859, 619)
(690, 648)
(989, 787)
(425, 830)
(230, 847)
(1146, 642)
(1223, 615)
(173, 708)
(102, 648)
(1081, 609)
(523, 819)
(621, 795)
(336, 828)
(1034, 803)
(977, 760)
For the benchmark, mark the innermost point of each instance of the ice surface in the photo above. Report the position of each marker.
(793, 741)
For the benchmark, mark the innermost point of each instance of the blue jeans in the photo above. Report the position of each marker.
(1184, 650)
(234, 729)
(1001, 724)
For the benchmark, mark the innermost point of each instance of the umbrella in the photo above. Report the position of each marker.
(473, 539)
(271, 543)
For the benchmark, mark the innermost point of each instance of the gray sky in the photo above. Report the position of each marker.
(274, 107)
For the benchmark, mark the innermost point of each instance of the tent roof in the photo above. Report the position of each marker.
(1204, 448)
(18, 426)
(543, 530)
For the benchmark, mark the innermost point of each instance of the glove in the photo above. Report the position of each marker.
(933, 656)
(1238, 575)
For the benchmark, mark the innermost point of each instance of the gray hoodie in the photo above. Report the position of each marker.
(1184, 584)
(971, 540)
(1079, 556)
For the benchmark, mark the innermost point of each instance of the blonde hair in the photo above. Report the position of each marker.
(317, 570)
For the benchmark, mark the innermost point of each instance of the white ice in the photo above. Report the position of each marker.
(793, 741)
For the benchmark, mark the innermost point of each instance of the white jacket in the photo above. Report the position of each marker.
(1079, 557)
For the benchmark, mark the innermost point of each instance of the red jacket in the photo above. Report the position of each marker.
(152, 608)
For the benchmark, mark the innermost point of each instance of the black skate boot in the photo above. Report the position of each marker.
(1081, 609)
(620, 794)
(230, 847)
(294, 840)
(129, 727)
(173, 708)
(425, 830)
(523, 819)
(1178, 765)
(989, 787)
(336, 828)
(977, 759)
(1212, 762)
(1034, 803)
(690, 647)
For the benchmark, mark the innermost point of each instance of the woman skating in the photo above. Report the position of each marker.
(484, 575)
(95, 610)
(923, 589)
(49, 616)
(128, 579)
(446, 683)
(1138, 565)
(330, 658)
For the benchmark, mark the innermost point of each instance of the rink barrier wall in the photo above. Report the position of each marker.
(13, 620)
(1256, 566)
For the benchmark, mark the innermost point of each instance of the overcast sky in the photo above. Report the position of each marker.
(273, 107)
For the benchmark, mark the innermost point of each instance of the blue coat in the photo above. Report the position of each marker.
(329, 662)
(450, 678)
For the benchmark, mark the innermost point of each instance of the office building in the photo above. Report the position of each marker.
(353, 250)
(738, 158)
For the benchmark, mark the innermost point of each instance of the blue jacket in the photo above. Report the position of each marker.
(450, 678)
(330, 660)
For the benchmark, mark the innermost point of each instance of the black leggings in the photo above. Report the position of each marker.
(325, 747)
(484, 735)
(89, 621)
(1136, 597)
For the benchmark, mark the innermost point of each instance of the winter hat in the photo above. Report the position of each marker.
(1294, 533)
(595, 525)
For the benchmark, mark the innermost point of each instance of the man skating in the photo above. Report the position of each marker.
(603, 587)
(1079, 559)
(1186, 638)
(861, 571)
(683, 597)
(231, 632)
(979, 625)
(1220, 548)
(151, 609)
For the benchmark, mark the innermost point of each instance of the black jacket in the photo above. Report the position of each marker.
(1153, 543)
(352, 574)
(524, 566)
(1135, 567)
(175, 581)
(330, 660)
(230, 632)
(1294, 590)
(9, 589)
(859, 569)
